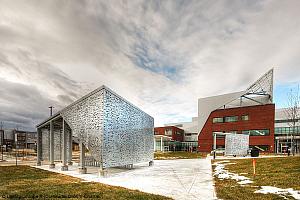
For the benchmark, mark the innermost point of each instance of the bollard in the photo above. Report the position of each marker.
(254, 166)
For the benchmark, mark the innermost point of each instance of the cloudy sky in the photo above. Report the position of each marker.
(160, 55)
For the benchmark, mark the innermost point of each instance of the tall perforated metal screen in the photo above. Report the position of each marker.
(236, 144)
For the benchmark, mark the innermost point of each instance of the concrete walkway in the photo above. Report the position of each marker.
(179, 179)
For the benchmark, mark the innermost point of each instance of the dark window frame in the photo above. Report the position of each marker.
(230, 117)
(246, 115)
(216, 122)
(252, 130)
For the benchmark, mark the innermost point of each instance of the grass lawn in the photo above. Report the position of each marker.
(26, 182)
(282, 172)
(177, 155)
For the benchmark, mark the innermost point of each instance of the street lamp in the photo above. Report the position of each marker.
(51, 109)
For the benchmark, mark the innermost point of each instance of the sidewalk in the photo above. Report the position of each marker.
(179, 179)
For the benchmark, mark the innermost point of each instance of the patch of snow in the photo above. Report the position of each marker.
(244, 182)
(223, 161)
(222, 173)
(279, 191)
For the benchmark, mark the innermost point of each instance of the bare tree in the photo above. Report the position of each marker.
(293, 114)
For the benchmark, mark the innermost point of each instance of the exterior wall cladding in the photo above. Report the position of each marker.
(175, 131)
(260, 117)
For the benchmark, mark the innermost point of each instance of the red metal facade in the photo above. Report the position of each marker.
(260, 117)
(177, 133)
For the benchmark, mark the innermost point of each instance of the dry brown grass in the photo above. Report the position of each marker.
(178, 155)
(26, 182)
(282, 172)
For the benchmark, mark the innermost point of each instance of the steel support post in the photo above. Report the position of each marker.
(52, 165)
(161, 144)
(64, 166)
(39, 147)
(70, 148)
(215, 144)
(82, 168)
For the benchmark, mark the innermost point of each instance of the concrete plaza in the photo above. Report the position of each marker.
(179, 179)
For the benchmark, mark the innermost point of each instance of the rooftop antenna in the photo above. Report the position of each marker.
(51, 109)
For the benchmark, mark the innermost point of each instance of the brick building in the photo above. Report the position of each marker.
(257, 121)
(25, 139)
(250, 111)
(174, 132)
(168, 138)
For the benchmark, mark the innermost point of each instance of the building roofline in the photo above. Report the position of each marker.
(57, 114)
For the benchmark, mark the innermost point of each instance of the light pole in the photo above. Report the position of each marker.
(51, 109)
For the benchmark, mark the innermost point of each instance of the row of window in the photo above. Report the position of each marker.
(169, 132)
(287, 130)
(262, 132)
(230, 119)
(286, 120)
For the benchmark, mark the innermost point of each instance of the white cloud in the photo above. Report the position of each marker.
(160, 55)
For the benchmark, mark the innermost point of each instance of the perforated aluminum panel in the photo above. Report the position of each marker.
(57, 144)
(111, 127)
(236, 144)
(128, 133)
(45, 144)
(85, 118)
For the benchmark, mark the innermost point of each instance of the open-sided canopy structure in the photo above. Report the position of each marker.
(115, 132)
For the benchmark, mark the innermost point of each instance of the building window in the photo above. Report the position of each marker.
(245, 117)
(168, 131)
(231, 119)
(287, 130)
(262, 132)
(218, 120)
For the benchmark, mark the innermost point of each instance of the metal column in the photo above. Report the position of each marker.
(102, 170)
(70, 148)
(215, 145)
(39, 147)
(82, 168)
(52, 165)
(161, 144)
(64, 166)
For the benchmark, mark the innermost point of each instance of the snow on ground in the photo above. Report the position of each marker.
(282, 192)
(222, 173)
(179, 179)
